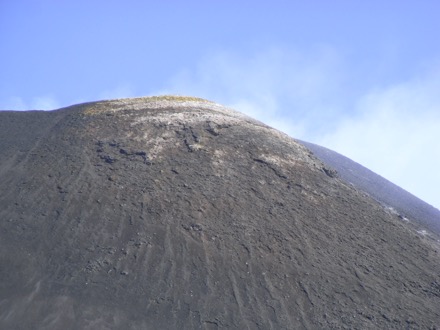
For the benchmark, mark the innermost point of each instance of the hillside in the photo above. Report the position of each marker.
(178, 213)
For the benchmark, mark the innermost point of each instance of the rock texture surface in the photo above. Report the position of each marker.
(177, 213)
(423, 216)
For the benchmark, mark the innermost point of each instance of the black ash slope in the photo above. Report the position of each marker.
(407, 205)
(183, 215)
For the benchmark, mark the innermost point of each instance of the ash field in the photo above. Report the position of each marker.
(178, 213)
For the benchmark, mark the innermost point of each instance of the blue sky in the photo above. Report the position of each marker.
(359, 77)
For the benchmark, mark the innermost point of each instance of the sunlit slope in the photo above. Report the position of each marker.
(183, 214)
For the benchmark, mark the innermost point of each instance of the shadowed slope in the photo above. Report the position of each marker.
(182, 214)
(405, 204)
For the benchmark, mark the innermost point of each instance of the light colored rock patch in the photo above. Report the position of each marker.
(218, 162)
(156, 147)
(278, 161)
(159, 102)
(191, 116)
(303, 155)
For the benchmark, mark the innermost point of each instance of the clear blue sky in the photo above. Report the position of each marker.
(360, 77)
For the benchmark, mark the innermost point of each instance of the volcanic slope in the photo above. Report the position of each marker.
(409, 207)
(178, 213)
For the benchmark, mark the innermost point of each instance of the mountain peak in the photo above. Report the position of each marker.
(179, 213)
(148, 102)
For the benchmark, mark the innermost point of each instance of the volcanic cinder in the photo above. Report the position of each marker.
(178, 213)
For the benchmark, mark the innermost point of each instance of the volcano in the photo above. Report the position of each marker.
(178, 213)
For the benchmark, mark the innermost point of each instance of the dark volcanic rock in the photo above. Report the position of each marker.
(401, 202)
(176, 213)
